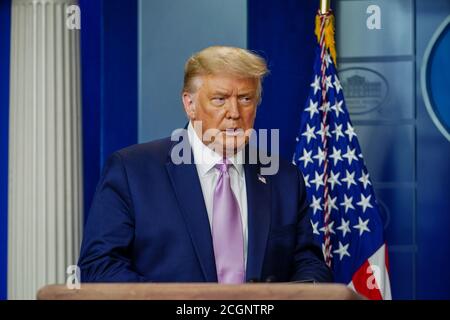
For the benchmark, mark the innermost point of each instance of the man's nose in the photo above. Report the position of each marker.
(233, 108)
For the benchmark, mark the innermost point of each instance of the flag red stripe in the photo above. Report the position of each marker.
(363, 280)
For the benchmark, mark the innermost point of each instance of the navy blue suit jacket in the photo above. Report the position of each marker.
(148, 222)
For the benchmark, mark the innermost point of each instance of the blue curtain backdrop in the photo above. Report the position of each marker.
(283, 32)
(109, 83)
(5, 29)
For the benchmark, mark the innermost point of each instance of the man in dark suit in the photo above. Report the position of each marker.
(213, 216)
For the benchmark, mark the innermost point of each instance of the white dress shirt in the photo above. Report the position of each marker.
(205, 160)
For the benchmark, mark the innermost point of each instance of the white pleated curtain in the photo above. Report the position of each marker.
(45, 151)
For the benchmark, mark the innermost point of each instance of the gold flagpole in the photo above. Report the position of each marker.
(324, 6)
(325, 15)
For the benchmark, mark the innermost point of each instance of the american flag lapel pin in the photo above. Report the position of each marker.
(262, 179)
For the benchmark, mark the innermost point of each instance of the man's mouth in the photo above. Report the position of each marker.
(234, 132)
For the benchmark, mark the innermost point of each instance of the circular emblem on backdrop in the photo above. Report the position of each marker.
(435, 78)
(365, 89)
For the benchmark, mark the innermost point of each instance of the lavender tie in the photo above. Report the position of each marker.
(228, 239)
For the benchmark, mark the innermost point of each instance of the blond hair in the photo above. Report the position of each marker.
(224, 60)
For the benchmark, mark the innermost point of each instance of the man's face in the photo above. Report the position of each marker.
(225, 103)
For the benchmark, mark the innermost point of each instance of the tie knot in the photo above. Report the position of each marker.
(223, 165)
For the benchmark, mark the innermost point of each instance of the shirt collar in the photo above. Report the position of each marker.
(206, 159)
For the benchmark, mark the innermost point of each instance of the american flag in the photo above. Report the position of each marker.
(344, 212)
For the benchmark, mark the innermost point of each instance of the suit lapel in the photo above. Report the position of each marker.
(186, 184)
(185, 181)
(259, 207)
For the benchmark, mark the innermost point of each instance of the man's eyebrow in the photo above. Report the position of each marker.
(246, 93)
(218, 91)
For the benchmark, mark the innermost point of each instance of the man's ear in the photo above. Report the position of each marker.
(189, 105)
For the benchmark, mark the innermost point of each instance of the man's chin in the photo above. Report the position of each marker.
(228, 148)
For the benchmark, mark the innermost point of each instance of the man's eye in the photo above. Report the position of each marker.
(218, 100)
(246, 99)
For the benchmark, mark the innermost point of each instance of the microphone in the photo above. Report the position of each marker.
(304, 281)
(271, 278)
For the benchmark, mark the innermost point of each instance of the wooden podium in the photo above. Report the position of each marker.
(198, 291)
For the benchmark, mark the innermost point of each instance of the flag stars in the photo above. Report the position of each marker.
(337, 107)
(325, 108)
(350, 132)
(314, 227)
(327, 59)
(364, 203)
(338, 132)
(316, 204)
(306, 178)
(312, 109)
(362, 226)
(349, 179)
(337, 84)
(309, 133)
(318, 180)
(334, 179)
(306, 158)
(336, 156)
(329, 227)
(334, 174)
(328, 83)
(344, 227)
(320, 156)
(324, 130)
(350, 155)
(347, 203)
(365, 179)
(342, 250)
(316, 84)
(332, 203)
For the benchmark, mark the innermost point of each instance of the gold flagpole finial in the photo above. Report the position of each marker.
(325, 25)
(324, 6)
